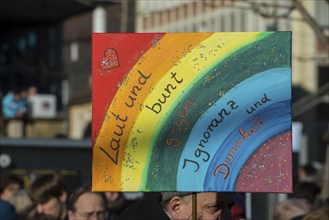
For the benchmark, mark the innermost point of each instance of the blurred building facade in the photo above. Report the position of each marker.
(202, 16)
(309, 61)
(31, 54)
(310, 78)
(52, 50)
(105, 17)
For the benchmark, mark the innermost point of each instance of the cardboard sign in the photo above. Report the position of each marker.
(192, 112)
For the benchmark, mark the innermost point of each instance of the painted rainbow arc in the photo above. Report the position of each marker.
(174, 137)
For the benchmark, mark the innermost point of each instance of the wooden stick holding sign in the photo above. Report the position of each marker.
(194, 207)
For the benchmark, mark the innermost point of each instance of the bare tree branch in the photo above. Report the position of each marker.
(312, 23)
(269, 10)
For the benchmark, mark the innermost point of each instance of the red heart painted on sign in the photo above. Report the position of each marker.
(110, 59)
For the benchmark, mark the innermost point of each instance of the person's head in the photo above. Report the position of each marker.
(49, 193)
(307, 190)
(24, 206)
(320, 213)
(17, 94)
(10, 185)
(86, 205)
(291, 208)
(32, 90)
(115, 202)
(209, 205)
(307, 173)
(24, 93)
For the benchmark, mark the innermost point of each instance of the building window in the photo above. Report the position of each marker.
(232, 21)
(74, 51)
(222, 24)
(243, 21)
(32, 39)
(22, 44)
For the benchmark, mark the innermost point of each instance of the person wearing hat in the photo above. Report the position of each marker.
(178, 206)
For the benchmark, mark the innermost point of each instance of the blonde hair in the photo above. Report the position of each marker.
(22, 203)
(291, 208)
(318, 214)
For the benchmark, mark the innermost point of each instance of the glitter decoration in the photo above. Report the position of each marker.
(273, 165)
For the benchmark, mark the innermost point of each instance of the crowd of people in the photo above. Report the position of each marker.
(47, 198)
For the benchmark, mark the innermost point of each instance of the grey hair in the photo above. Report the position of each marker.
(168, 195)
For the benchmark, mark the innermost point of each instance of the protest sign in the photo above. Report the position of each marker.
(192, 112)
